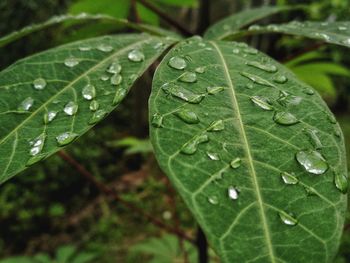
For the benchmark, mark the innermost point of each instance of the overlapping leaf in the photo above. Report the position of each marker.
(255, 153)
(48, 100)
(232, 24)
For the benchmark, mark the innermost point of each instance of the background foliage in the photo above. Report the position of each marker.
(51, 208)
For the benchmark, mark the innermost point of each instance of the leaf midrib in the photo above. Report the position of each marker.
(249, 155)
(70, 85)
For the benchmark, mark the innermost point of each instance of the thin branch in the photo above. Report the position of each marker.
(171, 21)
(203, 16)
(110, 192)
(134, 13)
(202, 246)
(307, 49)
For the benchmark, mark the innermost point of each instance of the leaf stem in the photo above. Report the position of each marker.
(204, 16)
(202, 246)
(110, 192)
(166, 18)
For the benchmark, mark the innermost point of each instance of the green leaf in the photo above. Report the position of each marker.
(180, 3)
(329, 32)
(305, 58)
(49, 99)
(65, 253)
(236, 168)
(133, 145)
(233, 23)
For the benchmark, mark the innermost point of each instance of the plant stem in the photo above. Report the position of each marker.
(166, 18)
(203, 16)
(202, 246)
(110, 192)
(134, 12)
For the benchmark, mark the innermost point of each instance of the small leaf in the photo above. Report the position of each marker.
(63, 111)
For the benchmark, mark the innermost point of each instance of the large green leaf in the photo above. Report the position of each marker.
(330, 32)
(227, 123)
(64, 92)
(232, 24)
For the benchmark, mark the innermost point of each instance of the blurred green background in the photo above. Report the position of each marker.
(52, 214)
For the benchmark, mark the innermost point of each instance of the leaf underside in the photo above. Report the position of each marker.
(73, 92)
(231, 179)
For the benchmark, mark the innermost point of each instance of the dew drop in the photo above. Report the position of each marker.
(119, 96)
(288, 219)
(71, 108)
(341, 182)
(181, 93)
(105, 48)
(286, 99)
(157, 120)
(89, 92)
(213, 156)
(187, 116)
(104, 77)
(235, 163)
(342, 28)
(177, 63)
(289, 178)
(116, 79)
(250, 50)
(214, 200)
(312, 161)
(232, 193)
(262, 102)
(39, 84)
(37, 144)
(254, 27)
(215, 126)
(84, 48)
(235, 51)
(50, 116)
(280, 79)
(94, 105)
(256, 79)
(214, 90)
(71, 62)
(26, 104)
(66, 138)
(314, 138)
(97, 116)
(200, 70)
(285, 118)
(114, 68)
(136, 56)
(189, 77)
(265, 67)
(191, 146)
(309, 91)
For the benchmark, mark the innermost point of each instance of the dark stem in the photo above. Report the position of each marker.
(166, 18)
(134, 13)
(202, 246)
(203, 16)
(307, 49)
(110, 192)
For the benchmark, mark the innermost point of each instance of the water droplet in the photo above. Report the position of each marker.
(341, 182)
(177, 63)
(232, 193)
(250, 50)
(114, 68)
(136, 56)
(188, 77)
(235, 51)
(89, 92)
(200, 70)
(265, 67)
(280, 79)
(157, 120)
(323, 36)
(286, 99)
(256, 79)
(94, 105)
(158, 45)
(181, 93)
(104, 77)
(213, 156)
(191, 146)
(273, 27)
(218, 125)
(254, 27)
(289, 178)
(84, 48)
(314, 138)
(39, 84)
(37, 144)
(262, 102)
(214, 90)
(105, 48)
(26, 104)
(309, 91)
(97, 116)
(235, 163)
(71, 108)
(66, 138)
(288, 219)
(214, 200)
(116, 79)
(187, 116)
(285, 118)
(342, 28)
(50, 116)
(71, 62)
(242, 45)
(119, 96)
(312, 161)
